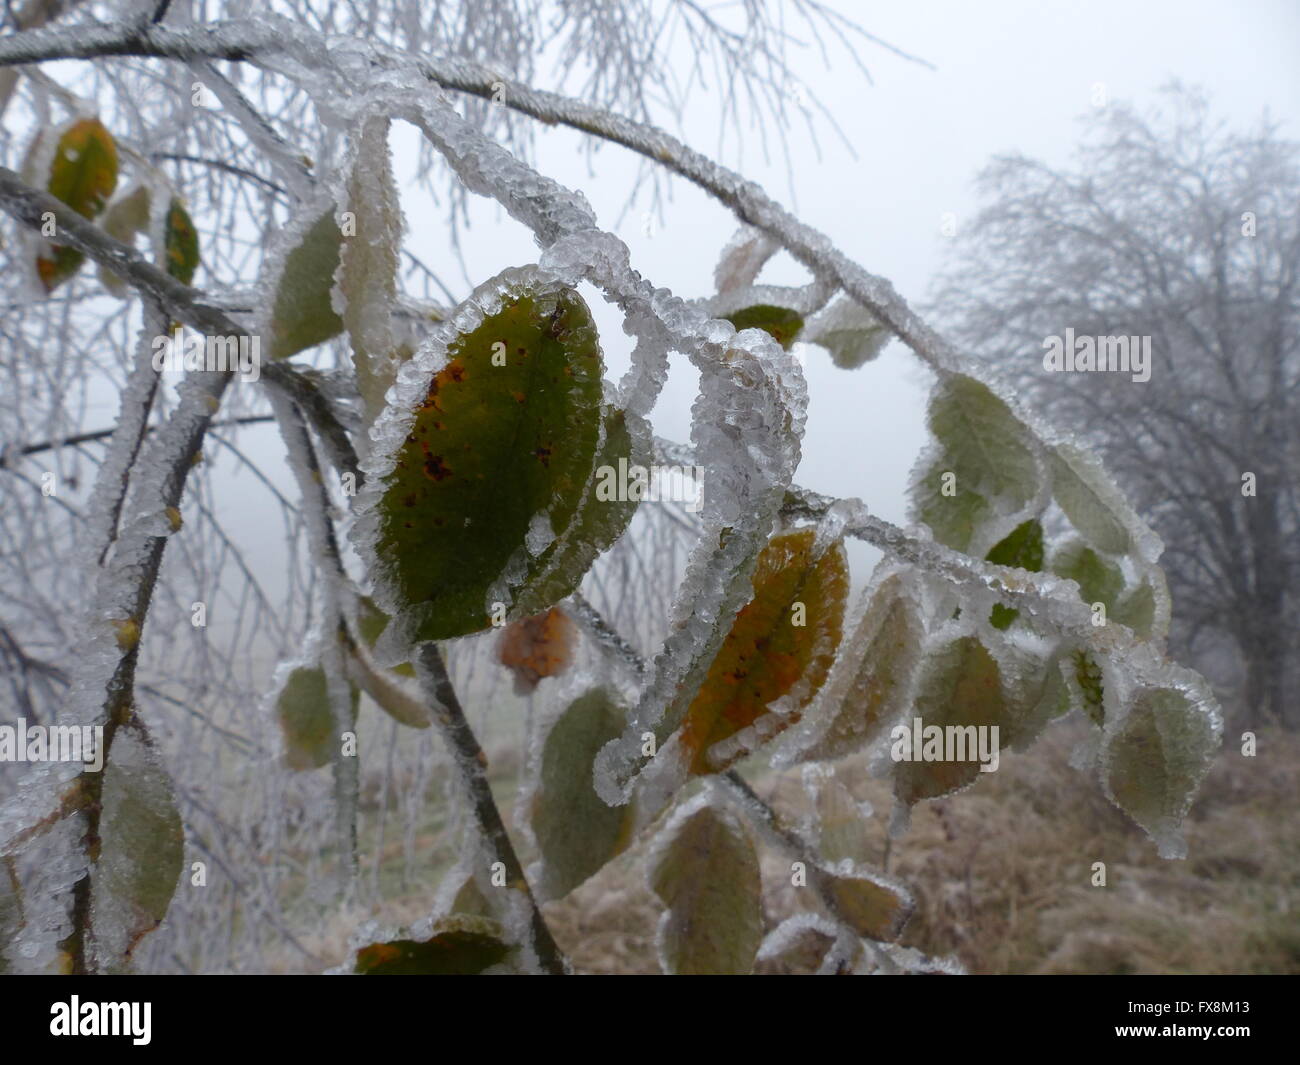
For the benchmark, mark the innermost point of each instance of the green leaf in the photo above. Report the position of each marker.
(1089, 683)
(849, 332)
(576, 832)
(1153, 759)
(465, 948)
(1035, 690)
(1022, 548)
(705, 870)
(961, 686)
(1138, 610)
(306, 721)
(781, 323)
(181, 243)
(787, 634)
(841, 824)
(388, 694)
(954, 518)
(601, 519)
(497, 459)
(1090, 499)
(301, 314)
(371, 623)
(11, 910)
(990, 453)
(884, 646)
(83, 175)
(142, 845)
(1099, 580)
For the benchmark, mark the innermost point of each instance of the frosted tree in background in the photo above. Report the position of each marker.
(1187, 232)
(217, 195)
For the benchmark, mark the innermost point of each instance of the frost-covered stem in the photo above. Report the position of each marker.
(184, 303)
(104, 434)
(246, 40)
(291, 164)
(731, 783)
(472, 765)
(596, 624)
(127, 437)
(180, 300)
(127, 583)
(746, 801)
(320, 535)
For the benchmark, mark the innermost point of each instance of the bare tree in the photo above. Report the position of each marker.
(1174, 227)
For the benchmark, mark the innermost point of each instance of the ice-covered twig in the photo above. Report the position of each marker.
(744, 799)
(246, 40)
(472, 764)
(320, 534)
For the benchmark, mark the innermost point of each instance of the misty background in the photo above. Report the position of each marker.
(1011, 76)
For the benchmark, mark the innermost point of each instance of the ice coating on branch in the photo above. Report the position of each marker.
(47, 867)
(128, 431)
(804, 299)
(747, 422)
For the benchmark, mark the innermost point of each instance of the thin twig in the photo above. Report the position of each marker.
(472, 764)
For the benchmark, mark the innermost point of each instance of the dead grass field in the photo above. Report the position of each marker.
(1002, 874)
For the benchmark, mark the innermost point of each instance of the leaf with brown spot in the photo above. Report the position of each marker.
(484, 486)
(537, 647)
(766, 654)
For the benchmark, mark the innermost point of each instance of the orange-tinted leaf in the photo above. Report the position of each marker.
(83, 175)
(785, 636)
(537, 647)
(181, 243)
(872, 905)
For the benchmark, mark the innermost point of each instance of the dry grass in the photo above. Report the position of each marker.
(1002, 874)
